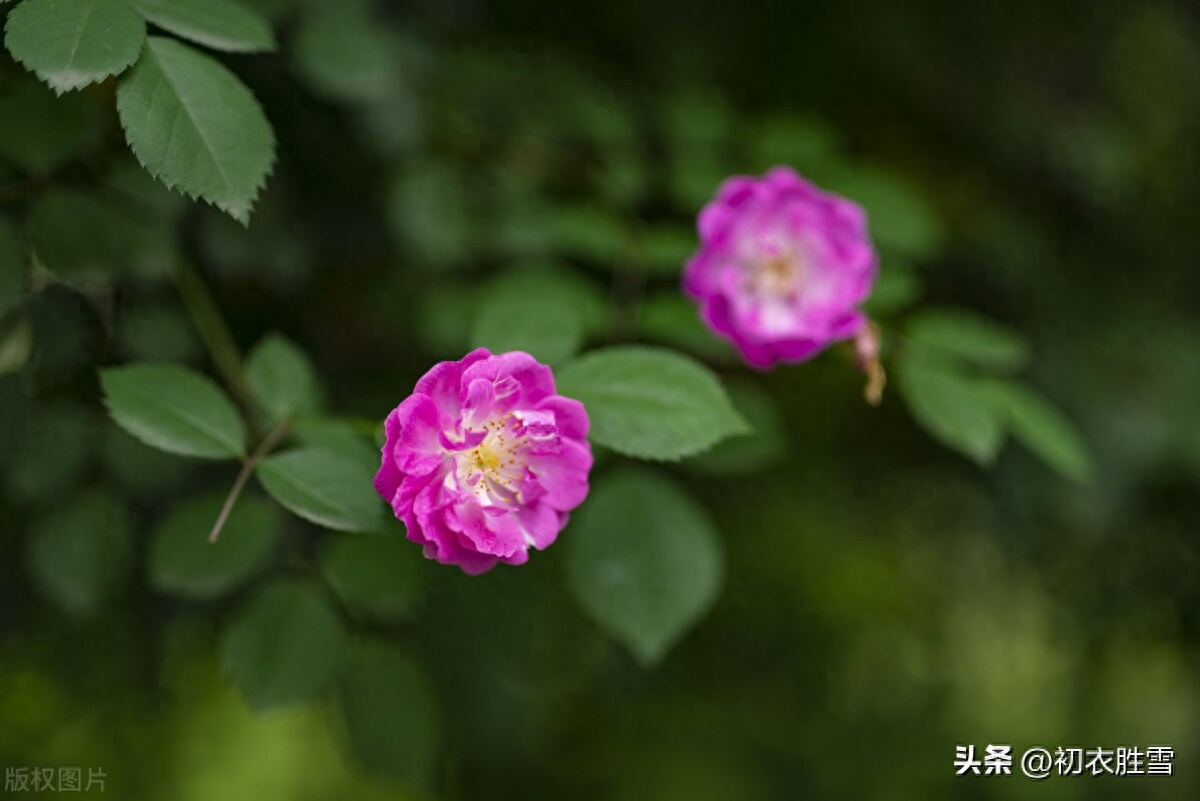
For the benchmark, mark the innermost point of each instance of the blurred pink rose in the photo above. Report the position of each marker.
(782, 267)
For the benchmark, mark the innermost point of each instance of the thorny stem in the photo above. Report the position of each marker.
(213, 330)
(268, 445)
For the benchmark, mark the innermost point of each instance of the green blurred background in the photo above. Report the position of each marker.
(885, 600)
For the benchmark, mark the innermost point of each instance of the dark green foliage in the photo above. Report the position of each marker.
(284, 646)
(196, 127)
(644, 561)
(79, 553)
(72, 43)
(184, 562)
(390, 713)
(651, 403)
(804, 584)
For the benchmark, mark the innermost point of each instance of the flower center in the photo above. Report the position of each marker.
(492, 469)
(485, 458)
(778, 275)
(496, 470)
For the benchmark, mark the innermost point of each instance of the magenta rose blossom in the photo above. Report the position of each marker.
(782, 267)
(484, 460)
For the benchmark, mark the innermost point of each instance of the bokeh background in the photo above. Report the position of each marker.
(884, 599)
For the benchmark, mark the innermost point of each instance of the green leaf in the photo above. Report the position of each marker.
(698, 127)
(665, 251)
(79, 554)
(650, 403)
(556, 284)
(156, 252)
(765, 445)
(195, 126)
(271, 9)
(394, 126)
(50, 456)
(219, 24)
(593, 233)
(897, 287)
(345, 54)
(644, 560)
(791, 139)
(39, 132)
(438, 316)
(66, 333)
(390, 713)
(971, 337)
(79, 237)
(376, 576)
(154, 333)
(898, 215)
(282, 379)
(139, 188)
(1041, 427)
(153, 248)
(139, 469)
(323, 487)
(672, 319)
(285, 646)
(174, 409)
(597, 113)
(184, 562)
(520, 230)
(429, 210)
(695, 174)
(623, 176)
(697, 116)
(72, 43)
(948, 404)
(531, 318)
(337, 436)
(14, 268)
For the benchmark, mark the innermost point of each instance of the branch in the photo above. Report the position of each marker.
(213, 330)
(268, 445)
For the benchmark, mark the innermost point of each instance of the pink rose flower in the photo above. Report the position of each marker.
(484, 460)
(782, 267)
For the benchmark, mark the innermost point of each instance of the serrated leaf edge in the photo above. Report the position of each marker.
(244, 216)
(239, 452)
(266, 465)
(60, 90)
(271, 46)
(738, 423)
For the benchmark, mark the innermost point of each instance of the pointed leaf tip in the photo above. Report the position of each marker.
(196, 127)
